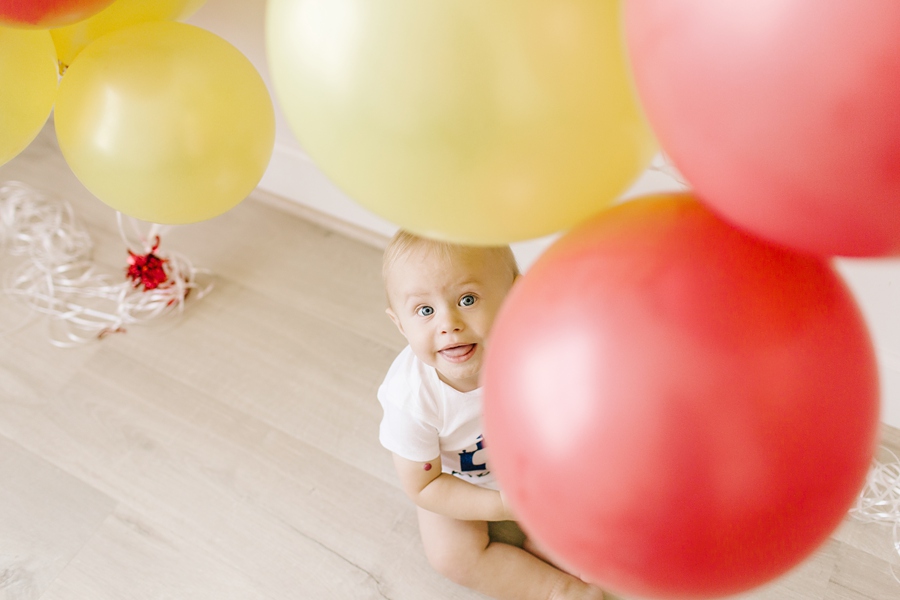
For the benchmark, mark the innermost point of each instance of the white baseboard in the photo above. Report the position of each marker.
(323, 219)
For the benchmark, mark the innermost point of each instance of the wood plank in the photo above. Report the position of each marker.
(265, 358)
(46, 517)
(860, 576)
(131, 557)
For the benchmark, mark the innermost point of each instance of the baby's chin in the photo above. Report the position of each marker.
(462, 380)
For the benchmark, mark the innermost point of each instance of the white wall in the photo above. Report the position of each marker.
(292, 175)
(876, 284)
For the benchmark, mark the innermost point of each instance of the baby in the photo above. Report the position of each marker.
(443, 298)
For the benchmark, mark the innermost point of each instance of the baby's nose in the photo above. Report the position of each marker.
(452, 322)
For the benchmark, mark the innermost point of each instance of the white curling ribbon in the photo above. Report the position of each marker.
(879, 500)
(661, 163)
(57, 277)
(33, 226)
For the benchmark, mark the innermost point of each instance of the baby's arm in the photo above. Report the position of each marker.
(447, 495)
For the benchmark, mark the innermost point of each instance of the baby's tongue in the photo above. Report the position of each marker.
(457, 351)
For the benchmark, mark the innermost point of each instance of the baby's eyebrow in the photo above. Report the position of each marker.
(415, 297)
(467, 283)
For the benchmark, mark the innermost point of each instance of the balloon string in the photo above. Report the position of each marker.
(56, 276)
(879, 500)
(137, 241)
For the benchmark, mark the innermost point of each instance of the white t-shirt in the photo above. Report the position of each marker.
(424, 417)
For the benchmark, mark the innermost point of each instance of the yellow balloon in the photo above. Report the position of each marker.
(72, 39)
(28, 82)
(165, 122)
(472, 121)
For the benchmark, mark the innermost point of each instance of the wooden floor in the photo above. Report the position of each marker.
(234, 453)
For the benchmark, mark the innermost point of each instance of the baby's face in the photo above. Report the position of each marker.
(445, 308)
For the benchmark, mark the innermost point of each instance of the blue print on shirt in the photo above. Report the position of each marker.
(473, 460)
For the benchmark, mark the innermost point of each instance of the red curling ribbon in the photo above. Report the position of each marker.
(147, 269)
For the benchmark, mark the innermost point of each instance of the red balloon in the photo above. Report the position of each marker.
(676, 409)
(783, 115)
(46, 14)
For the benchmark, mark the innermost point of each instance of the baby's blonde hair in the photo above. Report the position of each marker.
(404, 242)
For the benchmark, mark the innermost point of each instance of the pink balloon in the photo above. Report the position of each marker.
(46, 14)
(783, 114)
(677, 409)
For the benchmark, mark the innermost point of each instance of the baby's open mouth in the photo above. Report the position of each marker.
(459, 353)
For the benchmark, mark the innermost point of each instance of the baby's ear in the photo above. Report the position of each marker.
(395, 320)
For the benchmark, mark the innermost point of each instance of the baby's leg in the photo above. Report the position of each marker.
(529, 546)
(463, 552)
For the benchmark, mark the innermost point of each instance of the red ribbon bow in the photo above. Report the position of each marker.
(147, 269)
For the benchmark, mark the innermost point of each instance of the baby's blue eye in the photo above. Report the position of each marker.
(467, 300)
(425, 311)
